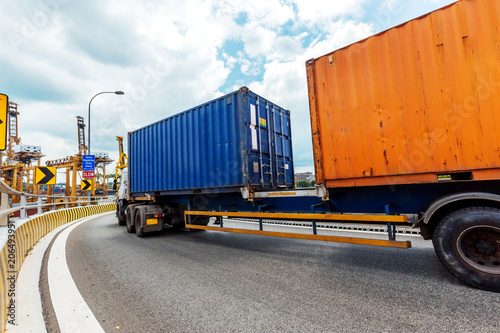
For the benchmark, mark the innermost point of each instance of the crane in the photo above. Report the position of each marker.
(122, 162)
(18, 168)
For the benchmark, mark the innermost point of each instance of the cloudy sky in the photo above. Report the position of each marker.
(168, 56)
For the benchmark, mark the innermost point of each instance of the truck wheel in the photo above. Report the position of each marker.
(138, 223)
(120, 213)
(468, 244)
(129, 222)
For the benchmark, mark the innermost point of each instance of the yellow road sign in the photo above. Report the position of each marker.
(45, 176)
(4, 106)
(86, 184)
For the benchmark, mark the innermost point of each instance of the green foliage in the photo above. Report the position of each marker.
(303, 183)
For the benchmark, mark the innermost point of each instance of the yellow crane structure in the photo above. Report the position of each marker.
(122, 161)
(18, 167)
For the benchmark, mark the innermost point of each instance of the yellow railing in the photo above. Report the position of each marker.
(18, 236)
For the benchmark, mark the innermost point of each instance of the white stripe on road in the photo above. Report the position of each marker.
(72, 312)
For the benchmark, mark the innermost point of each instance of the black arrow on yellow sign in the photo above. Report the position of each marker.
(45, 176)
(86, 185)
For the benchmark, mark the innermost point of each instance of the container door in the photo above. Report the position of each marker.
(270, 155)
(282, 154)
(260, 165)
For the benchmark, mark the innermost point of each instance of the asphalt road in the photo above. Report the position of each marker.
(218, 282)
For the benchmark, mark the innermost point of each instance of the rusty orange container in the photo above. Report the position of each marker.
(417, 103)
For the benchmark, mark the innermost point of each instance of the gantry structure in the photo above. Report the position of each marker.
(20, 161)
(72, 165)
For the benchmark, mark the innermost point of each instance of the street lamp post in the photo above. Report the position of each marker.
(104, 92)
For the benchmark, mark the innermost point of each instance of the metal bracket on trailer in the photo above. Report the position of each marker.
(146, 197)
(319, 191)
(391, 227)
(327, 217)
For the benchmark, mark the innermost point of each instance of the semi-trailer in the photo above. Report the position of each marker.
(404, 124)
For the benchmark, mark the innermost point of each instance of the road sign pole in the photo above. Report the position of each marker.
(73, 184)
(49, 199)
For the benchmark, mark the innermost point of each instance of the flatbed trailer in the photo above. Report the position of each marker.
(404, 133)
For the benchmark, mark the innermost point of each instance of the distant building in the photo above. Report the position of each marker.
(305, 176)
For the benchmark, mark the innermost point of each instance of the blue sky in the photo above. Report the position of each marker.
(168, 56)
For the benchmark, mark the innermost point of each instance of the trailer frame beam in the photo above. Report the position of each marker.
(295, 216)
(333, 217)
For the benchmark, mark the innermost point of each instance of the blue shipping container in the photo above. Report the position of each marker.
(238, 140)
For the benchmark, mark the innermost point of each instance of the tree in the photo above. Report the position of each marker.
(303, 183)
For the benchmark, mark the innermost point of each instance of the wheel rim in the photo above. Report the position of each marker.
(479, 246)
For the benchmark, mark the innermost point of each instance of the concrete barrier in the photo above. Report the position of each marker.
(21, 239)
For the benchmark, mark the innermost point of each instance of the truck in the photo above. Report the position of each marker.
(404, 131)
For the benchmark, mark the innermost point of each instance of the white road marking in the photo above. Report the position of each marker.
(72, 312)
(29, 317)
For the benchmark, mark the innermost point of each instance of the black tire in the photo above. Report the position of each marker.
(120, 213)
(138, 223)
(129, 222)
(468, 244)
(121, 221)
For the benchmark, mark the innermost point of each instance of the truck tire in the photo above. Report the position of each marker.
(138, 222)
(467, 242)
(121, 213)
(129, 221)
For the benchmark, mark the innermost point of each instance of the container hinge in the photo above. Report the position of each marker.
(246, 193)
(330, 60)
(322, 192)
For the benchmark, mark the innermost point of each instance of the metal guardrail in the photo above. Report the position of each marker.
(68, 201)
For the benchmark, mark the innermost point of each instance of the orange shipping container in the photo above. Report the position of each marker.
(411, 103)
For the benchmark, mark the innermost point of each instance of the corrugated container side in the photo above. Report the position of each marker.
(230, 142)
(418, 100)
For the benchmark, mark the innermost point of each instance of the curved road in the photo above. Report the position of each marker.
(218, 282)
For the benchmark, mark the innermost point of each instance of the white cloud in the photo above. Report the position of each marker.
(286, 47)
(271, 14)
(258, 40)
(391, 5)
(311, 12)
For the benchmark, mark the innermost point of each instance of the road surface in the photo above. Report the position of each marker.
(206, 281)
